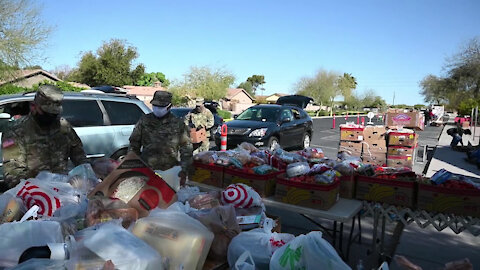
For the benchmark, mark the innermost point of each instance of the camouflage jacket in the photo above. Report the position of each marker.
(28, 149)
(197, 119)
(158, 141)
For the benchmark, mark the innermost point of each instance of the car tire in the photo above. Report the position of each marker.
(307, 141)
(120, 154)
(272, 142)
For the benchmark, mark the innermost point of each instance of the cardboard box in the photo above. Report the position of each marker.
(402, 139)
(316, 196)
(198, 136)
(446, 200)
(347, 186)
(263, 184)
(400, 151)
(375, 158)
(379, 146)
(400, 161)
(208, 174)
(351, 134)
(374, 133)
(404, 118)
(136, 184)
(395, 192)
(352, 148)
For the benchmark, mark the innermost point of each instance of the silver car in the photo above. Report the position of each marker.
(103, 122)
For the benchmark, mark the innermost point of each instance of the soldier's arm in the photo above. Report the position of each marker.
(210, 120)
(136, 138)
(77, 154)
(14, 159)
(186, 150)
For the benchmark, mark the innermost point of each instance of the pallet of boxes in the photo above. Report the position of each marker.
(402, 138)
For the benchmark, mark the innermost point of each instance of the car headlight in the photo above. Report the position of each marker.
(258, 132)
(219, 130)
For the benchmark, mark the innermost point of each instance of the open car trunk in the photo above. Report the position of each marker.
(296, 100)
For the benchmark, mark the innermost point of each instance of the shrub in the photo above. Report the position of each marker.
(224, 114)
(12, 89)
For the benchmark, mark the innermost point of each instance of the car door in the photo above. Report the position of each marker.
(122, 117)
(287, 128)
(301, 125)
(88, 120)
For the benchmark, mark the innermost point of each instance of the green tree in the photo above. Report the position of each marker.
(149, 79)
(419, 106)
(110, 65)
(22, 34)
(205, 82)
(323, 87)
(247, 86)
(256, 81)
(347, 83)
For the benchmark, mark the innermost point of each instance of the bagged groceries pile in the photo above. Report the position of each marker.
(134, 220)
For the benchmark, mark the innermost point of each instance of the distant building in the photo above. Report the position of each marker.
(237, 100)
(29, 77)
(272, 99)
(144, 93)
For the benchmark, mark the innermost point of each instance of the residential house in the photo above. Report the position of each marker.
(237, 100)
(272, 99)
(144, 93)
(29, 77)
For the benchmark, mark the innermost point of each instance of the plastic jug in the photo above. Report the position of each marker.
(171, 177)
(182, 241)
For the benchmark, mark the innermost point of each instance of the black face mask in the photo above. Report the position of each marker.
(45, 119)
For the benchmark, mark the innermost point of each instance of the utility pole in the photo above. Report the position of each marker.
(393, 103)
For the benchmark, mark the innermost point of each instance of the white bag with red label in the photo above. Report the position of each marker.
(241, 196)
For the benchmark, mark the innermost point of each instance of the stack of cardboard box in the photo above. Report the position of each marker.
(401, 147)
(351, 137)
(405, 118)
(374, 145)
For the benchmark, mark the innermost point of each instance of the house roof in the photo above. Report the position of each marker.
(142, 90)
(26, 73)
(279, 94)
(232, 92)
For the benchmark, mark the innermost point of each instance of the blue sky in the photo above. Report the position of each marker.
(387, 45)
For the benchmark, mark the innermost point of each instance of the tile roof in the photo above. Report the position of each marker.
(142, 90)
(18, 75)
(231, 92)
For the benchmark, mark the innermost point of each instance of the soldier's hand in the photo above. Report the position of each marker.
(183, 177)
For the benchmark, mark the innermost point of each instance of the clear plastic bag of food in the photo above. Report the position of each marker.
(327, 177)
(263, 169)
(313, 153)
(319, 169)
(206, 200)
(104, 166)
(249, 147)
(207, 157)
(297, 169)
(101, 209)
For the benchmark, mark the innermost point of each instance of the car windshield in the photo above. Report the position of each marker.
(262, 114)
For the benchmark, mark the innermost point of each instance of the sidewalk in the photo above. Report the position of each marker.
(453, 161)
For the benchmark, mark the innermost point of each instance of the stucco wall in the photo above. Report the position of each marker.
(242, 98)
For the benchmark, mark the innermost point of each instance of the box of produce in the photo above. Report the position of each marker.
(351, 133)
(304, 191)
(374, 133)
(260, 178)
(351, 148)
(209, 174)
(400, 161)
(374, 158)
(402, 139)
(402, 118)
(400, 151)
(449, 193)
(396, 189)
(347, 186)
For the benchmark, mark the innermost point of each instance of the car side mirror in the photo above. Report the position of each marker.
(235, 116)
(286, 120)
(5, 116)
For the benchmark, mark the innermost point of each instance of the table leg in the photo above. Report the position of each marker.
(340, 241)
(334, 233)
(350, 238)
(359, 228)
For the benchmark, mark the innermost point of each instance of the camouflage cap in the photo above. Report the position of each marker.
(199, 100)
(49, 98)
(162, 98)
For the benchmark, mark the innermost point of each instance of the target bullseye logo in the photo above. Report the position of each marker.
(237, 195)
(34, 195)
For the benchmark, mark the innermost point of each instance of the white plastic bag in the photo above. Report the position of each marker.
(261, 243)
(307, 252)
(297, 169)
(112, 242)
(16, 237)
(245, 262)
(241, 196)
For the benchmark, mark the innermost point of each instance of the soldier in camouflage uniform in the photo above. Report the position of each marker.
(163, 136)
(40, 141)
(198, 118)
